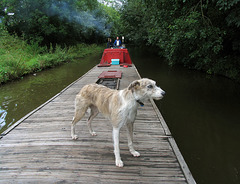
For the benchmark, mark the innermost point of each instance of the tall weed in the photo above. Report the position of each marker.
(18, 58)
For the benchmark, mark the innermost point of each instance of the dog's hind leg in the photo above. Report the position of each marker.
(94, 113)
(79, 113)
(130, 139)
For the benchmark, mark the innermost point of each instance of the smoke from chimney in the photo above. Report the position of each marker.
(87, 19)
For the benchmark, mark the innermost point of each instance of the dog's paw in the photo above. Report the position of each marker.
(135, 154)
(119, 163)
(93, 133)
(74, 137)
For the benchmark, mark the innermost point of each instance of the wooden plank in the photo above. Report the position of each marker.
(39, 148)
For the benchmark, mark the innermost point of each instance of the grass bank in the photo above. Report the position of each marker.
(18, 58)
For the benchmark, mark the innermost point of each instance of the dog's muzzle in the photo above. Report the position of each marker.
(160, 95)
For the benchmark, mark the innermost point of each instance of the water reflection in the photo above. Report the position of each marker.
(202, 113)
(3, 115)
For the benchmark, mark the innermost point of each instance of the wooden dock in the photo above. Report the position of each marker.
(39, 148)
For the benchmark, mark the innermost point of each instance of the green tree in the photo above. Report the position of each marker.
(114, 23)
(58, 21)
(199, 34)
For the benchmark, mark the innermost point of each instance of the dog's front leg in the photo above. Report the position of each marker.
(130, 140)
(118, 160)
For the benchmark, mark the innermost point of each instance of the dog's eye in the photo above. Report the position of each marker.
(150, 86)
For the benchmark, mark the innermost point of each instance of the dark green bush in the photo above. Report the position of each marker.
(202, 35)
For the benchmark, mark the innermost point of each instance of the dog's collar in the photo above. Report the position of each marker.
(140, 103)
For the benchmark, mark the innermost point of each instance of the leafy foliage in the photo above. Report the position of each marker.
(46, 33)
(199, 34)
(59, 21)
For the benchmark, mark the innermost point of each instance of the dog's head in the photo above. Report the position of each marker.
(146, 88)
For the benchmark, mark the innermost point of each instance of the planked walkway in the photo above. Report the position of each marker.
(39, 149)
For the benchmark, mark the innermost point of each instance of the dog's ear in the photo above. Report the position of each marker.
(133, 85)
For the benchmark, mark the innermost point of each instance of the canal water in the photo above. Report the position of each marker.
(202, 111)
(20, 97)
